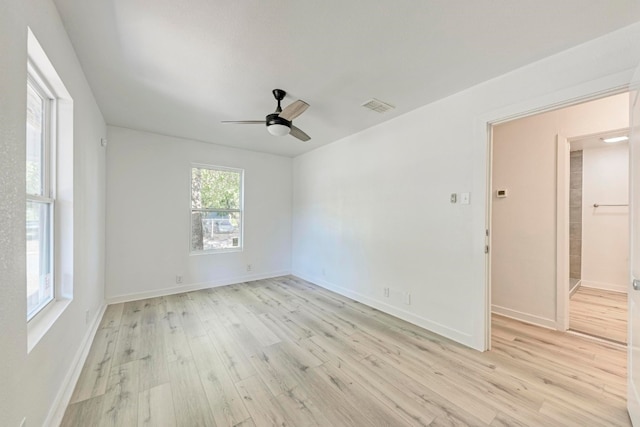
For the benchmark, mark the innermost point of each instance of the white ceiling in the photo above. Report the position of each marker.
(180, 67)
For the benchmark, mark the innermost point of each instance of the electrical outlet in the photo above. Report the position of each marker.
(386, 292)
(249, 267)
(407, 298)
(86, 316)
(178, 280)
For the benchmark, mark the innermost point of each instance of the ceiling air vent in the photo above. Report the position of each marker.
(378, 106)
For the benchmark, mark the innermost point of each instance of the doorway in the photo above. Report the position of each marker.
(530, 223)
(599, 235)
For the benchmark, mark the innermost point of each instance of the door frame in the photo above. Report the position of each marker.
(563, 171)
(590, 91)
(633, 400)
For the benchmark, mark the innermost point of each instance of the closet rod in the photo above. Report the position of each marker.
(595, 205)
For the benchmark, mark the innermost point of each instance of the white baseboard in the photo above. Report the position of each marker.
(524, 317)
(56, 412)
(575, 288)
(604, 286)
(438, 328)
(193, 287)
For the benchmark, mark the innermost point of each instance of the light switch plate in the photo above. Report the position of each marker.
(454, 197)
(465, 198)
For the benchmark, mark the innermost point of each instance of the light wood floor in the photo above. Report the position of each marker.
(599, 313)
(285, 352)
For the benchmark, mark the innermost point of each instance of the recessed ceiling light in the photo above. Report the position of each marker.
(615, 139)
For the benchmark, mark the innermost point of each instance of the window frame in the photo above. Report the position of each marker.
(48, 162)
(240, 211)
(61, 175)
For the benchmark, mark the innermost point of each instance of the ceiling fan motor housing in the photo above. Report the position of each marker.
(275, 119)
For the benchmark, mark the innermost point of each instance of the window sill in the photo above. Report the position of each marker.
(217, 251)
(43, 321)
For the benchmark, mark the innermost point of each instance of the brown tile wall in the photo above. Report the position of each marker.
(575, 216)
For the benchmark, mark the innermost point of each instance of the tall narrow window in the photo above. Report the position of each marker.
(40, 198)
(216, 209)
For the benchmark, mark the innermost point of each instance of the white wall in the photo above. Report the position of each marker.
(148, 215)
(605, 230)
(523, 229)
(31, 383)
(372, 210)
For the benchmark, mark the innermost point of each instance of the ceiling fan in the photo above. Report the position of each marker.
(279, 123)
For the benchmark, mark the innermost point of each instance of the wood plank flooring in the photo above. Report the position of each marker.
(599, 313)
(284, 352)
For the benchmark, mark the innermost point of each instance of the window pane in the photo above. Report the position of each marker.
(39, 274)
(215, 189)
(35, 142)
(215, 230)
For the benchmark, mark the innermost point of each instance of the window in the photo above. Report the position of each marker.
(49, 192)
(216, 209)
(40, 195)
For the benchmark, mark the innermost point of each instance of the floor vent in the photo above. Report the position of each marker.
(378, 106)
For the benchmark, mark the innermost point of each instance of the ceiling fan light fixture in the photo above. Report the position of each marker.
(278, 129)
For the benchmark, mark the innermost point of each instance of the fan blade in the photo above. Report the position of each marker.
(297, 133)
(294, 109)
(244, 122)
